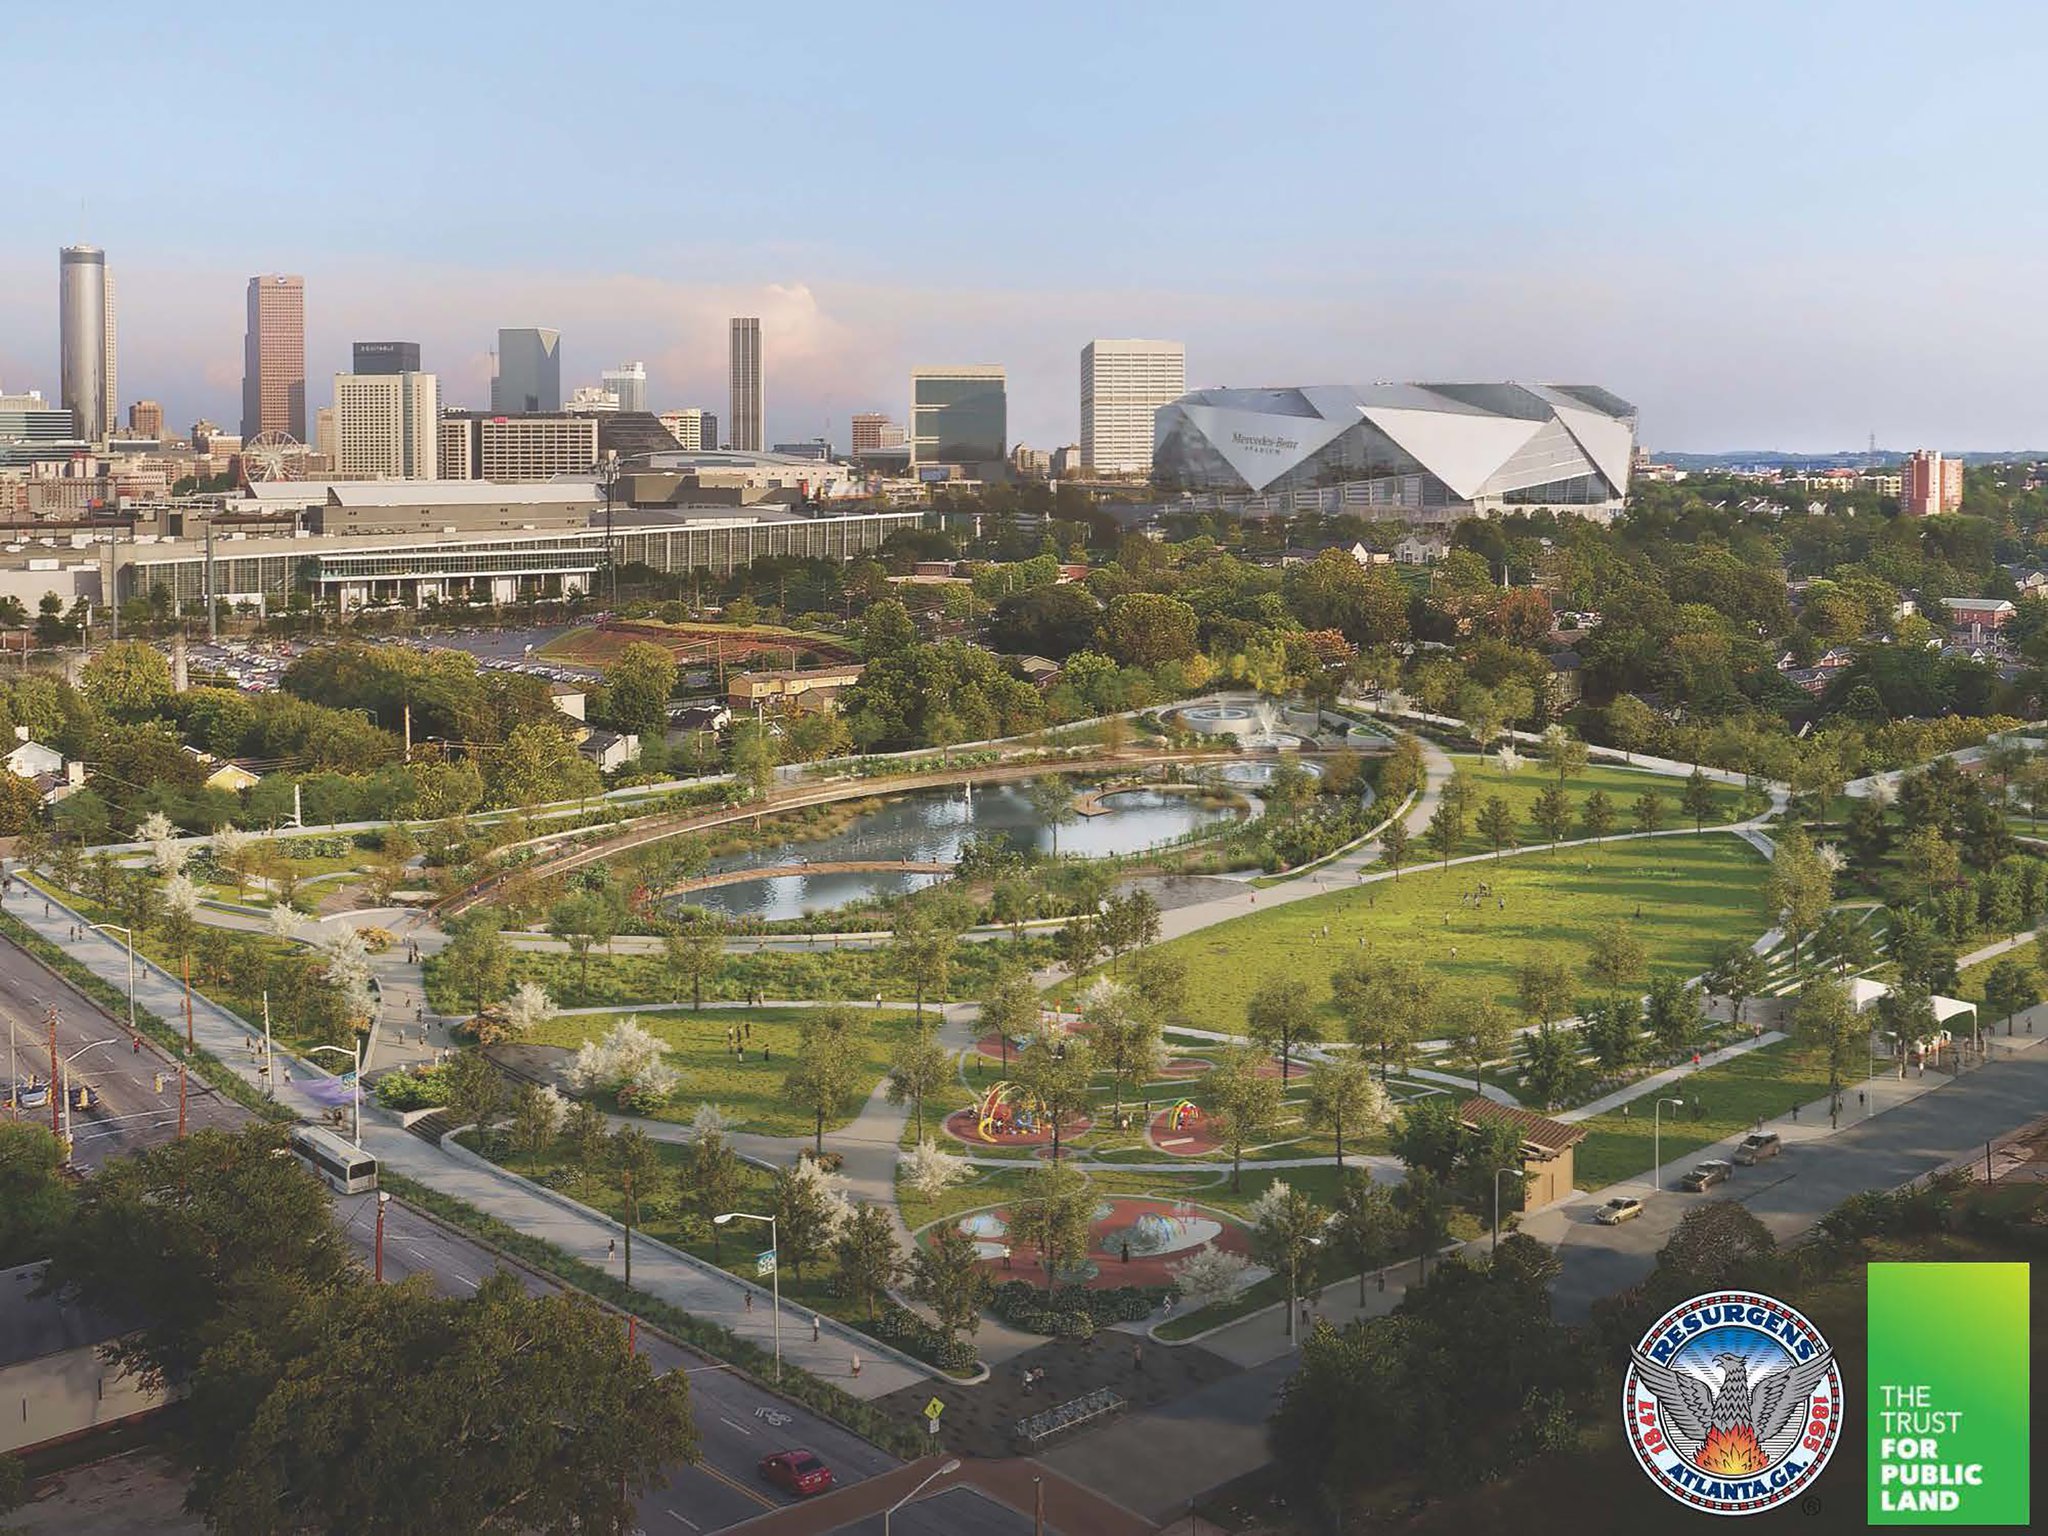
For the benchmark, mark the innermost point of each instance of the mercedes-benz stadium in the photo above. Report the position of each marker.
(1418, 452)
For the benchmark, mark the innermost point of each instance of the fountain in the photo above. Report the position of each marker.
(1266, 738)
(1216, 719)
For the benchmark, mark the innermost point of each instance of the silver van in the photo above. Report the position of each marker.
(1757, 1146)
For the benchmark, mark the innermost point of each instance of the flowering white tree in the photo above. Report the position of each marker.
(622, 1056)
(709, 1120)
(930, 1171)
(553, 1105)
(1209, 1275)
(165, 851)
(528, 1008)
(180, 898)
(1395, 702)
(1831, 858)
(1271, 1204)
(284, 922)
(1510, 758)
(831, 1193)
(231, 848)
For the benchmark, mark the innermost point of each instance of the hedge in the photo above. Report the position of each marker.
(1074, 1311)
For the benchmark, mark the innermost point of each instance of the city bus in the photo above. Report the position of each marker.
(334, 1159)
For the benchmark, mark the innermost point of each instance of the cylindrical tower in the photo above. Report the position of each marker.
(82, 343)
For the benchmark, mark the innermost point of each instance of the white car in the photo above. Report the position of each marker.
(1615, 1212)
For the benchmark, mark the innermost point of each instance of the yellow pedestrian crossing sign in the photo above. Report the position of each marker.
(933, 1409)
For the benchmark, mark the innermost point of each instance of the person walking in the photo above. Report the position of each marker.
(750, 1299)
(817, 1328)
(856, 1364)
(611, 1250)
(1137, 1359)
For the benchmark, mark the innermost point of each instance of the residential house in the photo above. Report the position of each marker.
(815, 687)
(32, 760)
(221, 774)
(1416, 550)
(570, 698)
(1366, 556)
(1976, 619)
(608, 749)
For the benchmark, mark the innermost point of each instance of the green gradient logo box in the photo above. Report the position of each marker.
(1948, 1391)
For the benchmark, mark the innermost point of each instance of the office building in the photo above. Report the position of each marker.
(274, 358)
(1028, 463)
(146, 419)
(110, 386)
(873, 431)
(1066, 462)
(1123, 385)
(1419, 452)
(35, 430)
(85, 344)
(959, 416)
(323, 434)
(1930, 484)
(385, 426)
(695, 431)
(528, 375)
(513, 450)
(385, 357)
(743, 425)
(629, 382)
(817, 449)
(590, 399)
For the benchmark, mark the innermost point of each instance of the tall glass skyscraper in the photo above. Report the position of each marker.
(85, 311)
(529, 372)
(743, 423)
(274, 358)
(959, 415)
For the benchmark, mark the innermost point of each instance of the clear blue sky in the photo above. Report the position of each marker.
(1768, 224)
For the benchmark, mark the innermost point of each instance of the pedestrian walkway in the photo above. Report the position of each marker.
(696, 1288)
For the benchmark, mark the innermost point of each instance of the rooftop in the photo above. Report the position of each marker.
(1538, 1131)
(32, 1326)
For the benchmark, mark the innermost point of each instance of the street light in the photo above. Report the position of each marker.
(946, 1469)
(129, 934)
(1657, 1140)
(1496, 1205)
(356, 1082)
(774, 1272)
(63, 1086)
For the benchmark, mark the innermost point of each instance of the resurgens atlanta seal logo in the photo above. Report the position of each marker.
(1733, 1402)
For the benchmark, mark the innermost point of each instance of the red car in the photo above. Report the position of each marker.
(797, 1472)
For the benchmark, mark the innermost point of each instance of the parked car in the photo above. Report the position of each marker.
(1706, 1175)
(797, 1471)
(1616, 1211)
(32, 1093)
(1757, 1146)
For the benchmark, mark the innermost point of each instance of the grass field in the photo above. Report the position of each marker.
(1693, 894)
(750, 1091)
(1766, 1082)
(1622, 785)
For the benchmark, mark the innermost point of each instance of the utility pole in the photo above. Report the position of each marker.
(408, 730)
(181, 1101)
(50, 1018)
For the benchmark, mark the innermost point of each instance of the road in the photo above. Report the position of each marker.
(737, 1421)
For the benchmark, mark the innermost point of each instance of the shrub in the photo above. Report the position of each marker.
(413, 1088)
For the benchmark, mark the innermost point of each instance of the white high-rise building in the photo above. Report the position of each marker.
(629, 382)
(85, 300)
(385, 426)
(695, 430)
(1123, 385)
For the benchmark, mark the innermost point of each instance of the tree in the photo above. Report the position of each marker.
(1209, 1276)
(1052, 802)
(582, 922)
(1497, 825)
(1382, 1001)
(1737, 973)
(711, 1179)
(1077, 944)
(1144, 629)
(824, 1079)
(809, 1210)
(1673, 1013)
(130, 680)
(1713, 1243)
(1646, 812)
(1546, 989)
(1800, 886)
(918, 1066)
(537, 1113)
(1279, 1017)
(1428, 1135)
(1128, 922)
(35, 1197)
(1445, 831)
(2012, 987)
(866, 1249)
(691, 959)
(754, 756)
(537, 764)
(1698, 799)
(1565, 754)
(1478, 1030)
(1287, 1229)
(921, 952)
(1394, 844)
(1823, 1019)
(946, 1275)
(1597, 815)
(1631, 724)
(476, 1092)
(1550, 1061)
(477, 960)
(1425, 1206)
(1611, 1028)
(1126, 1038)
(1056, 1068)
(1245, 1102)
(1552, 814)
(587, 1137)
(637, 688)
(1365, 1227)
(1053, 1215)
(1616, 956)
(1343, 1099)
(1011, 1008)
(1932, 861)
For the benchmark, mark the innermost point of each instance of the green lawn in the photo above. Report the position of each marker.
(1623, 786)
(1766, 1082)
(750, 1091)
(1693, 893)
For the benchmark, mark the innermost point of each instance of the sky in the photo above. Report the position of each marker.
(1769, 226)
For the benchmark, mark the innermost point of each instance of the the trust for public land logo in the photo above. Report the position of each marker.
(1733, 1403)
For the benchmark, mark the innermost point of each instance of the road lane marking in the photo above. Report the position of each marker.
(735, 1424)
(693, 1525)
(737, 1486)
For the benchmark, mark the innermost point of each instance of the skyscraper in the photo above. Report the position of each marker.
(85, 346)
(1930, 484)
(274, 358)
(385, 426)
(1123, 385)
(695, 431)
(743, 420)
(528, 376)
(110, 383)
(146, 419)
(629, 382)
(384, 357)
(873, 431)
(959, 415)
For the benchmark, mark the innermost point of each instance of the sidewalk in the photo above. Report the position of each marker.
(715, 1297)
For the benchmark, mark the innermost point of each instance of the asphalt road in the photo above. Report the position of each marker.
(1809, 1179)
(737, 1421)
(955, 1512)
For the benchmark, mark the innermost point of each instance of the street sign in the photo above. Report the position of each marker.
(764, 1262)
(933, 1409)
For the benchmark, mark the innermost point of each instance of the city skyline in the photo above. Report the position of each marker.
(1649, 243)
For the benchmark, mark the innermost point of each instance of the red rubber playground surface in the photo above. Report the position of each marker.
(1159, 1233)
(964, 1125)
(1194, 1138)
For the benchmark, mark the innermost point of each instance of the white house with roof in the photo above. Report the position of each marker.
(33, 760)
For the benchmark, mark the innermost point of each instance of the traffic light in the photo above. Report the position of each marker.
(159, 1082)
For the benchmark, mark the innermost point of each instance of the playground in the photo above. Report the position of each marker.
(1132, 1240)
(1182, 1129)
(1007, 1115)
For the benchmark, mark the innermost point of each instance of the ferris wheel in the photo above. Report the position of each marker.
(272, 456)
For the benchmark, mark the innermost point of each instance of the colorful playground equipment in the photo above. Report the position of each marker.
(1178, 1117)
(1008, 1109)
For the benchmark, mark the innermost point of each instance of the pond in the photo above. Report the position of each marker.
(931, 826)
